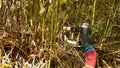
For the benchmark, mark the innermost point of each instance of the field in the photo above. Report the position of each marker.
(30, 33)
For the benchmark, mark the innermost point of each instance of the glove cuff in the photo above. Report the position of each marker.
(88, 48)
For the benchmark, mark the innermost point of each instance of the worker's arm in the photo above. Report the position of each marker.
(73, 29)
(75, 43)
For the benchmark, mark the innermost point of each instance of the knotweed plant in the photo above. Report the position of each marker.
(30, 32)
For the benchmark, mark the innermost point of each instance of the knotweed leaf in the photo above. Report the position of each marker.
(42, 10)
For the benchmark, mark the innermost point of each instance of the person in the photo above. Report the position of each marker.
(86, 43)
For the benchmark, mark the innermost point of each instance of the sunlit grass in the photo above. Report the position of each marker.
(29, 32)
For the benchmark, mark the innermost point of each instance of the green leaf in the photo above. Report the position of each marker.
(62, 1)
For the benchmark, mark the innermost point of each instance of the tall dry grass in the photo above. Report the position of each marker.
(29, 32)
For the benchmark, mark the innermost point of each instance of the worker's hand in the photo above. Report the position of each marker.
(66, 28)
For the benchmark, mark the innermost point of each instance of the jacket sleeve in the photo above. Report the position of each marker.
(76, 29)
(90, 31)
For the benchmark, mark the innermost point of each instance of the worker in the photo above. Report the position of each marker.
(86, 43)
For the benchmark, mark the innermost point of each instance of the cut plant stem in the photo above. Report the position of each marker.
(93, 16)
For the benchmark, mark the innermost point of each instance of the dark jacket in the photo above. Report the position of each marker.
(85, 37)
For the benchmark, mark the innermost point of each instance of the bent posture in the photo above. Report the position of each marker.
(86, 41)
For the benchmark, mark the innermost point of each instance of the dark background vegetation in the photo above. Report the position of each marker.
(29, 32)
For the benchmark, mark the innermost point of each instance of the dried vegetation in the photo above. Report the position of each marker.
(29, 33)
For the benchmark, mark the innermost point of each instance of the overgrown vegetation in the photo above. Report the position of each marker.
(29, 32)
